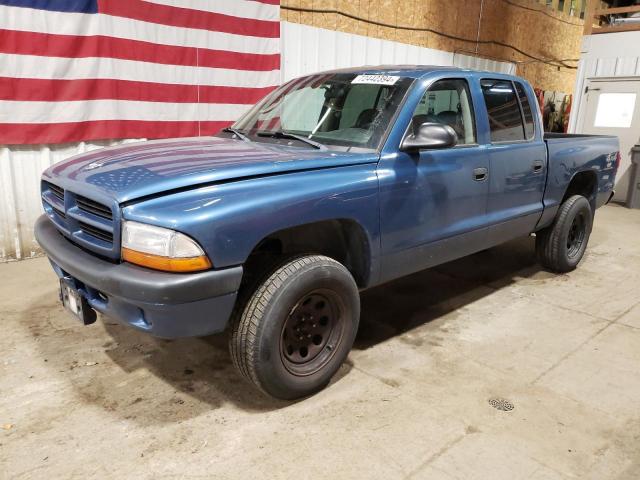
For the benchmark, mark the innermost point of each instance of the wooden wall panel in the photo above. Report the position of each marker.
(536, 29)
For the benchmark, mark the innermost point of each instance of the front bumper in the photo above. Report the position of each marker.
(164, 304)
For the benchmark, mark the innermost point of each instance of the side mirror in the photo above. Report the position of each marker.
(430, 135)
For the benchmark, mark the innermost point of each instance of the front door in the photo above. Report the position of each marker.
(433, 202)
(613, 108)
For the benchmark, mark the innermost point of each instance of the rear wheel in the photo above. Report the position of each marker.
(296, 327)
(561, 246)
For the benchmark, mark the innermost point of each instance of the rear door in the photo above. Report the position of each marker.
(613, 108)
(517, 159)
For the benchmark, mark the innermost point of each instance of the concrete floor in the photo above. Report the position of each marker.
(411, 402)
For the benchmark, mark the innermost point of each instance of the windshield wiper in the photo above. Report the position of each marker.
(237, 133)
(293, 136)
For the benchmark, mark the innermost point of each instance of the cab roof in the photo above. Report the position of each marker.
(411, 71)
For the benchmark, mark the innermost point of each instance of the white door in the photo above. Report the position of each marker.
(613, 108)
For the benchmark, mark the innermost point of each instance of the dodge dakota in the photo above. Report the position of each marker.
(333, 183)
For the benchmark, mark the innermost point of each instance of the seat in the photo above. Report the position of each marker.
(448, 117)
(365, 118)
(451, 118)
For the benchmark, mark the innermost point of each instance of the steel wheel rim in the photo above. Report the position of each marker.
(312, 332)
(576, 235)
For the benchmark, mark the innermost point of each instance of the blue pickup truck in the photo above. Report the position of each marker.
(333, 183)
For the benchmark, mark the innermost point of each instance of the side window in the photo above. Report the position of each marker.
(529, 129)
(448, 102)
(505, 120)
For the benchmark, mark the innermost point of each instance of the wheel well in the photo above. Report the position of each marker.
(585, 184)
(342, 240)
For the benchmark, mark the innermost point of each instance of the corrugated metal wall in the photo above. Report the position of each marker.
(20, 168)
(305, 50)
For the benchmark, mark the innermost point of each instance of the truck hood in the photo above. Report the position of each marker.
(128, 172)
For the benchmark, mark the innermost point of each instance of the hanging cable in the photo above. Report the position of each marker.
(552, 62)
(536, 10)
(479, 25)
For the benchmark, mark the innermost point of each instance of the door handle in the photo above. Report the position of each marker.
(538, 165)
(480, 174)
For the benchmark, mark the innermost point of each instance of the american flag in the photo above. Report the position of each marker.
(73, 70)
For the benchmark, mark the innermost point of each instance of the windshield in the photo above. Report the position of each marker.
(336, 109)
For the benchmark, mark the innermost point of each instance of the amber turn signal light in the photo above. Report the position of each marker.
(167, 264)
(161, 248)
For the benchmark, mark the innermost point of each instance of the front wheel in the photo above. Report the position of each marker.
(297, 327)
(561, 246)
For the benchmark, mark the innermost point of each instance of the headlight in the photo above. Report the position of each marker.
(161, 248)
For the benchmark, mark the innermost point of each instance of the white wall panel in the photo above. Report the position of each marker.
(305, 50)
(605, 55)
(606, 67)
(626, 66)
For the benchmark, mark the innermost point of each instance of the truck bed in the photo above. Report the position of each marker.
(569, 153)
(570, 136)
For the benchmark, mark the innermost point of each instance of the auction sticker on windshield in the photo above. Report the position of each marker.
(376, 79)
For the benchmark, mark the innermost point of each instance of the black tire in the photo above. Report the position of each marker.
(296, 327)
(561, 246)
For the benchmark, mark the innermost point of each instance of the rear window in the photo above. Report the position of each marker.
(505, 120)
(529, 129)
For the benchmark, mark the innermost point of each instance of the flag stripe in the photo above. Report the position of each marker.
(73, 46)
(196, 156)
(60, 23)
(84, 6)
(20, 133)
(179, 145)
(48, 90)
(74, 70)
(87, 110)
(236, 8)
(187, 18)
(30, 66)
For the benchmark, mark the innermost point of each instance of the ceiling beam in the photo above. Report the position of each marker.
(613, 11)
(617, 28)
